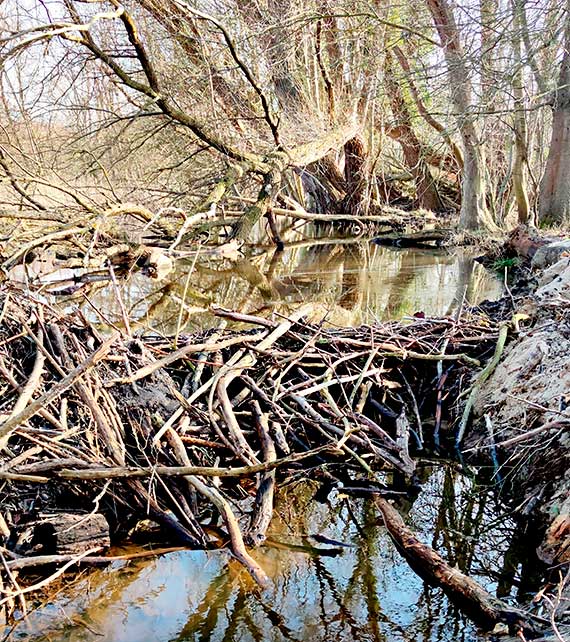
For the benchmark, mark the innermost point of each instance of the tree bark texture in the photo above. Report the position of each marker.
(554, 202)
(354, 202)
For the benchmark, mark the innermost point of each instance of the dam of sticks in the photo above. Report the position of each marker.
(197, 432)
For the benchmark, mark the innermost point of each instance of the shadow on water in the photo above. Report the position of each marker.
(348, 282)
(360, 592)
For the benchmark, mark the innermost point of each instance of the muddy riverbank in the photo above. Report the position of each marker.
(522, 411)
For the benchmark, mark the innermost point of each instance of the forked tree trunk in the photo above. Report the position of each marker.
(474, 212)
(554, 202)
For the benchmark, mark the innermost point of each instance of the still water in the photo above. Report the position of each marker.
(356, 588)
(348, 282)
(359, 591)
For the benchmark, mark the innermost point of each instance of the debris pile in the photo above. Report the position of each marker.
(198, 430)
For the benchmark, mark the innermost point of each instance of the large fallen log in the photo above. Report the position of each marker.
(485, 609)
(422, 238)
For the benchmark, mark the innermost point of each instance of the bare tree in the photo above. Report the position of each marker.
(474, 211)
(177, 104)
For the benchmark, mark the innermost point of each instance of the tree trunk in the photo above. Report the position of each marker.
(554, 201)
(474, 212)
(426, 191)
(355, 174)
(519, 125)
(426, 115)
(244, 225)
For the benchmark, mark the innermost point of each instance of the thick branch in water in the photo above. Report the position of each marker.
(478, 604)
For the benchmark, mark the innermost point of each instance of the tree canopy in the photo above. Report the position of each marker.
(322, 106)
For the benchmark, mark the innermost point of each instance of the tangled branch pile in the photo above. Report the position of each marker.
(145, 426)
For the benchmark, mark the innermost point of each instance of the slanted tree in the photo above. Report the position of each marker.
(474, 212)
(426, 190)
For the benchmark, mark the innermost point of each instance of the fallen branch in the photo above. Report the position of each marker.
(24, 563)
(463, 590)
(123, 472)
(485, 374)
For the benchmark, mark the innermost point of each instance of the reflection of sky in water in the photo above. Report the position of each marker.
(366, 594)
(352, 283)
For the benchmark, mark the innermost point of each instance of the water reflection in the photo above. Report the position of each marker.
(366, 593)
(348, 281)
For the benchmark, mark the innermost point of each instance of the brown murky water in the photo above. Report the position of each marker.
(360, 591)
(348, 282)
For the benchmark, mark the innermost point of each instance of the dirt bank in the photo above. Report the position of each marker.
(521, 413)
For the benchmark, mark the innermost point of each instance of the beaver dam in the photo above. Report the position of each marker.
(256, 474)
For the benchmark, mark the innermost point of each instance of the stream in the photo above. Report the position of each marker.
(348, 583)
(348, 283)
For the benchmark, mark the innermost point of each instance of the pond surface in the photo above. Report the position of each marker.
(321, 590)
(363, 591)
(348, 282)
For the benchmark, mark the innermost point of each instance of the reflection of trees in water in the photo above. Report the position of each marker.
(464, 289)
(203, 622)
(72, 620)
(471, 285)
(400, 283)
(353, 597)
(353, 277)
(348, 607)
(421, 279)
(459, 522)
(353, 286)
(364, 580)
(521, 552)
(475, 533)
